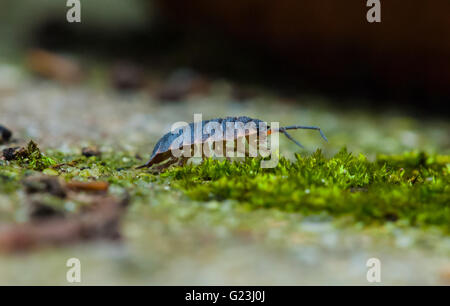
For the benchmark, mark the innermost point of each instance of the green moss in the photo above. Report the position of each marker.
(9, 179)
(28, 160)
(32, 158)
(413, 187)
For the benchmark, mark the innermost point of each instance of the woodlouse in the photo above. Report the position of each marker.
(163, 148)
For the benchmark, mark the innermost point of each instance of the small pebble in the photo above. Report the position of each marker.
(90, 151)
(5, 134)
(10, 153)
(127, 76)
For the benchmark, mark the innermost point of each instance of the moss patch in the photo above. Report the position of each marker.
(32, 158)
(412, 188)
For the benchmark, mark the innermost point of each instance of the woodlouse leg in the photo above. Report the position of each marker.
(229, 151)
(182, 162)
(166, 165)
(240, 147)
(226, 150)
(208, 150)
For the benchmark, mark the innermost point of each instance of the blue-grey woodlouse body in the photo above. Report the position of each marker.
(162, 149)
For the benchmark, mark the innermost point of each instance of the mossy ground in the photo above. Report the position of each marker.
(411, 189)
(221, 223)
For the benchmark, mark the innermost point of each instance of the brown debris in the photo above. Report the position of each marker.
(9, 153)
(182, 83)
(444, 275)
(127, 76)
(71, 164)
(31, 154)
(91, 151)
(53, 66)
(100, 221)
(97, 186)
(58, 187)
(42, 211)
(21, 153)
(44, 183)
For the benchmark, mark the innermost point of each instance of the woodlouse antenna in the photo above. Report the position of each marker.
(298, 127)
(292, 138)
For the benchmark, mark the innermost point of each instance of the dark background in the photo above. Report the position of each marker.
(289, 46)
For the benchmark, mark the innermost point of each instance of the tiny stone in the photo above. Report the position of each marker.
(91, 151)
(5, 134)
(10, 153)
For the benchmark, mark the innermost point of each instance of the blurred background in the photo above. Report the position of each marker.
(288, 45)
(318, 64)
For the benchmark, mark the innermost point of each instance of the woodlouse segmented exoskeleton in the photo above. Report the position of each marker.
(163, 148)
